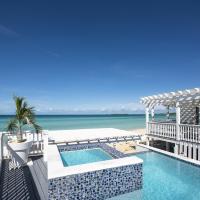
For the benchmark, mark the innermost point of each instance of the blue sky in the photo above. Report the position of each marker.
(96, 56)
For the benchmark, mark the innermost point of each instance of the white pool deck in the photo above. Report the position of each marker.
(56, 168)
(60, 136)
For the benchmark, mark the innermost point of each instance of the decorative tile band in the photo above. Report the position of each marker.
(97, 185)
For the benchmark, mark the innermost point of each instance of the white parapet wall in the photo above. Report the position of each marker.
(59, 136)
(92, 181)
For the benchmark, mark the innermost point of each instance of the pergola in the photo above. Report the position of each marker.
(185, 130)
(191, 96)
(186, 102)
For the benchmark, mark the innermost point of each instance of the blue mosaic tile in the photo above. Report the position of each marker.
(96, 185)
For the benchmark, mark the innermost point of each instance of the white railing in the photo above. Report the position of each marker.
(34, 144)
(190, 133)
(36, 138)
(166, 130)
(187, 132)
(38, 143)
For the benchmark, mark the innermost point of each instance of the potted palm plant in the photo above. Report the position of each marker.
(24, 119)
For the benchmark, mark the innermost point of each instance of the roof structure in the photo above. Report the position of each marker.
(189, 96)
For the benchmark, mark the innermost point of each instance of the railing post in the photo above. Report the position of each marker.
(45, 145)
(4, 141)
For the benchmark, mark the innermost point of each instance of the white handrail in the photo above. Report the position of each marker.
(189, 133)
(166, 130)
(36, 138)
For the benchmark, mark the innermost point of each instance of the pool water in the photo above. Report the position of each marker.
(84, 156)
(166, 178)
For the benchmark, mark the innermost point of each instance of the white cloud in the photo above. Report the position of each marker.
(46, 107)
(54, 54)
(50, 109)
(7, 31)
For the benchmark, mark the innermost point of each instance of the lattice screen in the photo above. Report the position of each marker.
(188, 114)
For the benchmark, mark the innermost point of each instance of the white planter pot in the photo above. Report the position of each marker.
(20, 151)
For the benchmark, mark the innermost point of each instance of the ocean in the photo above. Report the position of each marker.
(62, 122)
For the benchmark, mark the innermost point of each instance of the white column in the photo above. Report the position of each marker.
(147, 119)
(185, 149)
(181, 148)
(190, 151)
(198, 152)
(176, 149)
(178, 120)
(167, 112)
(147, 143)
(194, 152)
(152, 114)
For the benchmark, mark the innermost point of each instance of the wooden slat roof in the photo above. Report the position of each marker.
(191, 96)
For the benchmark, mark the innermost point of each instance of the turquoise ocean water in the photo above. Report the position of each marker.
(62, 122)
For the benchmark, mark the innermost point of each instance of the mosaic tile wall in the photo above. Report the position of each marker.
(97, 185)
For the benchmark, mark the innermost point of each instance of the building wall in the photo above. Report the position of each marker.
(97, 185)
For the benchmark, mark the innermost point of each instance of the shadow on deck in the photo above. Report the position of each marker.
(39, 174)
(17, 184)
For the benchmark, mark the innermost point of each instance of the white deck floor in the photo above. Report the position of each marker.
(87, 134)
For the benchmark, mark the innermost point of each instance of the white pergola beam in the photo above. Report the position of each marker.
(190, 96)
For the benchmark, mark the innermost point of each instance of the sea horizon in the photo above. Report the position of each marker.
(68, 121)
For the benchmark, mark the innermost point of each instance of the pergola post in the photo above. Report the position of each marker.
(167, 112)
(152, 114)
(178, 121)
(147, 119)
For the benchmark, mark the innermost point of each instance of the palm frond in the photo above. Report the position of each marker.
(25, 115)
(12, 126)
(37, 127)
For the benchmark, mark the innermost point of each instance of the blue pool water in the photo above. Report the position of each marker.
(166, 178)
(84, 156)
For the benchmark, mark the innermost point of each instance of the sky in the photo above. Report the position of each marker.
(84, 57)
